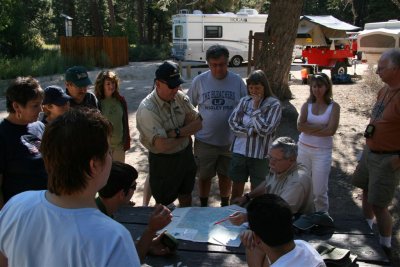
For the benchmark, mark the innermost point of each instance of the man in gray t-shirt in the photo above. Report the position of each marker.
(216, 93)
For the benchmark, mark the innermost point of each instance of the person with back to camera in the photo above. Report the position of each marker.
(318, 122)
(117, 192)
(113, 106)
(378, 172)
(253, 123)
(166, 120)
(62, 226)
(287, 179)
(216, 93)
(77, 82)
(21, 163)
(55, 103)
(270, 240)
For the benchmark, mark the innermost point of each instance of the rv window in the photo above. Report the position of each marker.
(178, 31)
(213, 31)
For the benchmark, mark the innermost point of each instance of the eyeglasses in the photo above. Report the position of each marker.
(169, 86)
(270, 158)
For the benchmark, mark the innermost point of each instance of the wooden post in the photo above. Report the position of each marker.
(250, 59)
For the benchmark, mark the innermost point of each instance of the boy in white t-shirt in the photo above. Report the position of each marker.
(62, 226)
(270, 240)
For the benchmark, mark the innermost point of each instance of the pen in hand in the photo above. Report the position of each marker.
(221, 221)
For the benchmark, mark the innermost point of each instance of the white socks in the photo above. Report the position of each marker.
(370, 222)
(385, 241)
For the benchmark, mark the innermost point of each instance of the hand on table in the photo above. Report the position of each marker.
(160, 218)
(157, 248)
(238, 218)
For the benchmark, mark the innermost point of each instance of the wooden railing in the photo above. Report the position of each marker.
(98, 51)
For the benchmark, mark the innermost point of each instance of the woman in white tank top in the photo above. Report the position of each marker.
(318, 122)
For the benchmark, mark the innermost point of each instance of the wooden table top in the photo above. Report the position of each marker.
(350, 233)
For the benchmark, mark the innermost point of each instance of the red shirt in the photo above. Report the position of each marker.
(386, 136)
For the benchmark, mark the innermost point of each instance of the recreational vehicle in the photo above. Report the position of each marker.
(378, 37)
(194, 33)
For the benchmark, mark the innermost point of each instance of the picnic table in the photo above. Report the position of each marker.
(350, 233)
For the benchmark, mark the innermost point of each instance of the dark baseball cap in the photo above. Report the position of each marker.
(54, 94)
(168, 72)
(78, 76)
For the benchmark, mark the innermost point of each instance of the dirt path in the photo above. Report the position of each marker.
(355, 101)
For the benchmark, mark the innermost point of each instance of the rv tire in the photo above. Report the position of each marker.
(236, 61)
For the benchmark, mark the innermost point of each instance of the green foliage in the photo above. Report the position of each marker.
(21, 26)
(149, 52)
(382, 10)
(43, 62)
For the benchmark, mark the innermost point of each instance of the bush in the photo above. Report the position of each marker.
(149, 52)
(43, 62)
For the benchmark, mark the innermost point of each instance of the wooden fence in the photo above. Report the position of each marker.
(98, 51)
(255, 44)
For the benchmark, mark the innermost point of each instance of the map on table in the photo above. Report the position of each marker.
(198, 224)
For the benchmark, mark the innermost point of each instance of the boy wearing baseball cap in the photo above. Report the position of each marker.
(55, 103)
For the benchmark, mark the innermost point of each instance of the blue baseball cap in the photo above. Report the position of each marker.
(54, 94)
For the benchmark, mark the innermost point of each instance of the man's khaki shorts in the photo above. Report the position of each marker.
(375, 174)
(211, 160)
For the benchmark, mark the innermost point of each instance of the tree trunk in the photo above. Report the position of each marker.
(276, 53)
(140, 21)
(96, 23)
(112, 13)
(150, 23)
(359, 10)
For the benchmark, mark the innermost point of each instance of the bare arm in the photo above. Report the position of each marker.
(333, 122)
(191, 126)
(303, 125)
(319, 129)
(160, 218)
(3, 260)
(1, 192)
(163, 144)
(258, 191)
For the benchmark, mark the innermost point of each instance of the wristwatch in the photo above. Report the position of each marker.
(177, 132)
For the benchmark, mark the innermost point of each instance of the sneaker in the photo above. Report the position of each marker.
(388, 251)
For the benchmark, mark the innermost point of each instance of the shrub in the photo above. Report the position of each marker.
(149, 52)
(43, 62)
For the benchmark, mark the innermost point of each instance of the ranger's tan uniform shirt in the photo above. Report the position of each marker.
(294, 186)
(155, 117)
